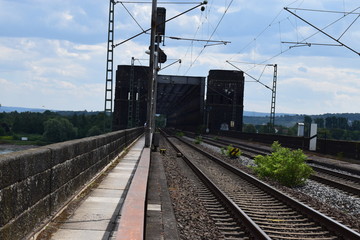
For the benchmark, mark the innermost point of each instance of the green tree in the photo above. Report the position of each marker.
(94, 131)
(2, 131)
(249, 128)
(330, 122)
(319, 122)
(324, 133)
(58, 130)
(356, 125)
(307, 124)
(337, 133)
(342, 123)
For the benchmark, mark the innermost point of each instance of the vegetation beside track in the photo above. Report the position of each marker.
(284, 165)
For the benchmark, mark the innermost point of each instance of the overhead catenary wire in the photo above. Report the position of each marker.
(150, 2)
(262, 31)
(304, 39)
(198, 40)
(257, 80)
(326, 34)
(218, 24)
(146, 30)
(323, 11)
(349, 26)
(132, 16)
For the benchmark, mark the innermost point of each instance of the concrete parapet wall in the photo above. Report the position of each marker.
(36, 183)
(341, 149)
(286, 141)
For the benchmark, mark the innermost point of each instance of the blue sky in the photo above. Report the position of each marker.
(53, 53)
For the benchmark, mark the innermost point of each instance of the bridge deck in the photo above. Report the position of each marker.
(97, 214)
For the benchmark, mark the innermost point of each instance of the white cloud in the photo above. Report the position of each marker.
(50, 68)
(53, 53)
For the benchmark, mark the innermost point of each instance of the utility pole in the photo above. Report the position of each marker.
(131, 97)
(273, 91)
(273, 98)
(109, 68)
(152, 79)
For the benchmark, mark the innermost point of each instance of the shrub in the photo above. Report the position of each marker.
(286, 166)
(231, 152)
(180, 134)
(198, 140)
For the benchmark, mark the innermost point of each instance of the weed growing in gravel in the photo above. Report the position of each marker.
(284, 165)
(198, 140)
(180, 134)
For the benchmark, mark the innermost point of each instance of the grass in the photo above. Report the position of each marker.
(33, 139)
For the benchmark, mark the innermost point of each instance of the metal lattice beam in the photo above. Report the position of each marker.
(109, 64)
(273, 98)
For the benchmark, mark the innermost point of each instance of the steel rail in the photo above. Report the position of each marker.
(337, 174)
(320, 179)
(328, 222)
(245, 220)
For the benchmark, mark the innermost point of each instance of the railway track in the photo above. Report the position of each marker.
(343, 181)
(263, 211)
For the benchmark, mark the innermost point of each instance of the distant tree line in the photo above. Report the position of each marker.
(329, 127)
(53, 126)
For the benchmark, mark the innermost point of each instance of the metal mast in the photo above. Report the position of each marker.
(151, 82)
(110, 64)
(273, 98)
(131, 96)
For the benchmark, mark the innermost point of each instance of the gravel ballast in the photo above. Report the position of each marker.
(332, 202)
(194, 223)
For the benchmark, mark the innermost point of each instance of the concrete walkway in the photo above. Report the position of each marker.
(96, 216)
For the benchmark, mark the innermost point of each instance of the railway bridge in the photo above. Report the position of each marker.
(113, 187)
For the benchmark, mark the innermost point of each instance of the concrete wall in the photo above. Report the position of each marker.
(338, 148)
(341, 149)
(36, 183)
(285, 141)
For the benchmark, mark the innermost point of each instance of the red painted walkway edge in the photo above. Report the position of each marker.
(132, 221)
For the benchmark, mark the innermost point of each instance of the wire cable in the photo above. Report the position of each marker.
(202, 50)
(132, 17)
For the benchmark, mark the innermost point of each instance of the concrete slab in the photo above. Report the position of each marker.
(75, 234)
(100, 192)
(123, 168)
(154, 207)
(127, 162)
(103, 200)
(118, 183)
(99, 210)
(119, 174)
(94, 225)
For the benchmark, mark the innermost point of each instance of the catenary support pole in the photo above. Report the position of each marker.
(150, 97)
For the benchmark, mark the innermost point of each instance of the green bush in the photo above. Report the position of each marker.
(2, 131)
(180, 134)
(198, 140)
(229, 152)
(286, 166)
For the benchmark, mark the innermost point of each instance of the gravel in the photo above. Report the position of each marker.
(332, 202)
(192, 218)
(333, 197)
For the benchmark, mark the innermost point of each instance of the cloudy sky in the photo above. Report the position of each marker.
(53, 53)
